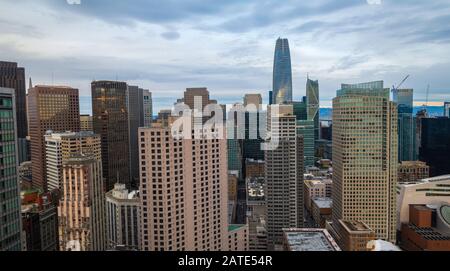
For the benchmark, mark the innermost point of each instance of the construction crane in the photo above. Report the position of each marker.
(401, 83)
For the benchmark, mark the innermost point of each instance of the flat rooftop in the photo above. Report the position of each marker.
(357, 226)
(323, 203)
(310, 240)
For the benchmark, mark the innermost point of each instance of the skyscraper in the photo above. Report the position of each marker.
(306, 128)
(139, 115)
(12, 76)
(61, 146)
(184, 190)
(110, 111)
(313, 104)
(122, 218)
(49, 108)
(447, 109)
(435, 145)
(406, 132)
(86, 123)
(10, 214)
(81, 210)
(282, 73)
(253, 137)
(284, 174)
(365, 157)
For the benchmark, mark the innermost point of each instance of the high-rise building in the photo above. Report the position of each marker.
(122, 218)
(139, 115)
(282, 73)
(284, 174)
(406, 128)
(447, 109)
(421, 114)
(10, 218)
(435, 145)
(412, 171)
(40, 221)
(313, 104)
(365, 159)
(49, 108)
(81, 210)
(61, 146)
(184, 190)
(305, 128)
(110, 111)
(238, 237)
(253, 137)
(86, 123)
(12, 76)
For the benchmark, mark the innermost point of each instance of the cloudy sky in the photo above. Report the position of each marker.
(228, 45)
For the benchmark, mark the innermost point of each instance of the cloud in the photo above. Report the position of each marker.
(171, 35)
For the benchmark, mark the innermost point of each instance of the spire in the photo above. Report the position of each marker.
(30, 84)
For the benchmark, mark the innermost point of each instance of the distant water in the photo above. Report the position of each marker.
(167, 103)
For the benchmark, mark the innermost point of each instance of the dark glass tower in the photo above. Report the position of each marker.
(282, 73)
(313, 103)
(110, 120)
(406, 128)
(435, 145)
(10, 216)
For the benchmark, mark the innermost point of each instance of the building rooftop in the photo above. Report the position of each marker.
(310, 240)
(233, 227)
(355, 226)
(323, 202)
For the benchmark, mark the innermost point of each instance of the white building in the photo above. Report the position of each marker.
(430, 191)
(122, 218)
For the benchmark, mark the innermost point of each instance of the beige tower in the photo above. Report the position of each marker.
(49, 108)
(81, 210)
(284, 175)
(184, 191)
(365, 157)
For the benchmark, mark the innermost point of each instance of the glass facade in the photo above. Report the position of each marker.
(282, 73)
(306, 129)
(312, 100)
(447, 109)
(406, 128)
(435, 145)
(10, 213)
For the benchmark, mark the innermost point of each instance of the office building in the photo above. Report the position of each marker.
(412, 171)
(282, 73)
(308, 240)
(435, 145)
(428, 228)
(430, 191)
(254, 168)
(238, 237)
(40, 221)
(184, 189)
(49, 108)
(284, 174)
(12, 76)
(321, 211)
(61, 146)
(352, 235)
(140, 110)
(305, 128)
(10, 219)
(447, 109)
(421, 114)
(313, 104)
(122, 218)
(365, 162)
(406, 141)
(86, 123)
(316, 188)
(110, 112)
(254, 123)
(81, 210)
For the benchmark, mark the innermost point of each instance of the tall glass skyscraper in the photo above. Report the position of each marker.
(10, 216)
(282, 73)
(406, 142)
(312, 100)
(447, 109)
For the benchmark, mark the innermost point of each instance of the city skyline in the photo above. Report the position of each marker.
(75, 44)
